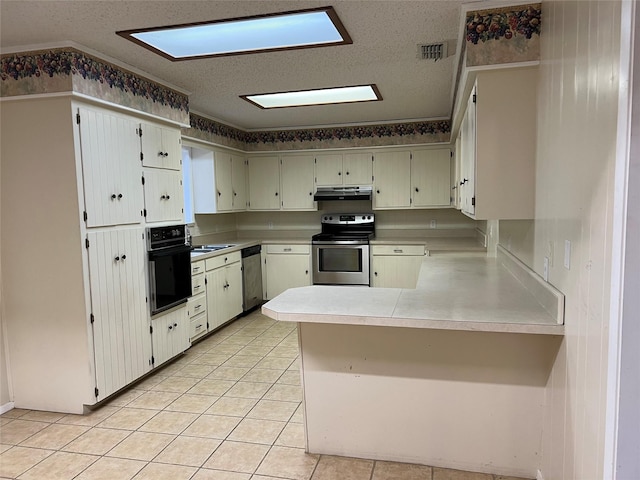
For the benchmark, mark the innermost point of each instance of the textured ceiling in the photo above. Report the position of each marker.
(384, 51)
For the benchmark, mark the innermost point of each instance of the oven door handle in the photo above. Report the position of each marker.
(165, 252)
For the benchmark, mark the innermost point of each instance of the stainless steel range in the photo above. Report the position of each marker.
(341, 251)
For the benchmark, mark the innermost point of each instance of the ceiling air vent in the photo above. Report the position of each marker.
(432, 51)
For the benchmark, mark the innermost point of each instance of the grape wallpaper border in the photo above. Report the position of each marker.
(68, 69)
(503, 35)
(404, 133)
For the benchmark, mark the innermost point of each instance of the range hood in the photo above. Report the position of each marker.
(343, 193)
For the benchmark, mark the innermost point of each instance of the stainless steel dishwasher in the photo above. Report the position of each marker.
(251, 277)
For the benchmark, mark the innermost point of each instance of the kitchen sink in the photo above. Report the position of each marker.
(212, 248)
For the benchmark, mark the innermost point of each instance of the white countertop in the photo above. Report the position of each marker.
(453, 293)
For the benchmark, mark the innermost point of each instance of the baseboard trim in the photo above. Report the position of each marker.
(6, 407)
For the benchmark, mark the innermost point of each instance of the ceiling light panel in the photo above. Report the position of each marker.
(323, 96)
(283, 31)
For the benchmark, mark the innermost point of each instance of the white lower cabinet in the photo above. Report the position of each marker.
(122, 349)
(170, 335)
(224, 288)
(396, 266)
(285, 266)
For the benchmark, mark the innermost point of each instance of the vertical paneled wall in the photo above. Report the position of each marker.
(578, 90)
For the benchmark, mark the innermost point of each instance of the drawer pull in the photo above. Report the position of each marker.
(197, 307)
(397, 250)
(195, 269)
(287, 249)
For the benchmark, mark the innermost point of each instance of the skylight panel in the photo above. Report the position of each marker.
(298, 29)
(323, 96)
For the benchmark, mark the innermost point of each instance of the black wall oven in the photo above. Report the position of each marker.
(169, 267)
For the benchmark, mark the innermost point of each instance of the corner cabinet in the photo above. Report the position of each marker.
(88, 335)
(396, 266)
(285, 266)
(498, 145)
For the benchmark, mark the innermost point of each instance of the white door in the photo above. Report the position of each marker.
(122, 344)
(392, 180)
(285, 271)
(430, 178)
(328, 170)
(110, 168)
(357, 168)
(239, 182)
(163, 195)
(264, 183)
(224, 187)
(297, 182)
(160, 146)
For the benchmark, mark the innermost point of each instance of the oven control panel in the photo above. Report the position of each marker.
(348, 218)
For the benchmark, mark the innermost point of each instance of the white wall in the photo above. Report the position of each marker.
(576, 154)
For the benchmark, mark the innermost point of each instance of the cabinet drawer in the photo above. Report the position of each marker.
(197, 284)
(197, 305)
(197, 267)
(222, 260)
(198, 326)
(397, 250)
(297, 249)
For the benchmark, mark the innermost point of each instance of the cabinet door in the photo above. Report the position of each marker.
(160, 146)
(264, 183)
(285, 271)
(224, 188)
(239, 182)
(328, 170)
(392, 180)
(163, 195)
(395, 271)
(297, 183)
(358, 168)
(215, 288)
(430, 178)
(170, 335)
(121, 341)
(232, 294)
(110, 167)
(468, 162)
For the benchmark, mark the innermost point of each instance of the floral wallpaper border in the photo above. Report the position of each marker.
(503, 35)
(61, 69)
(359, 135)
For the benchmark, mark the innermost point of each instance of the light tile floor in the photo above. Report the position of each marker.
(228, 409)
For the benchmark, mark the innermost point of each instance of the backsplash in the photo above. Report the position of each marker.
(279, 224)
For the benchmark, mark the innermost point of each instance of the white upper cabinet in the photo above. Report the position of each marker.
(163, 195)
(111, 168)
(498, 142)
(160, 146)
(239, 182)
(392, 180)
(297, 182)
(264, 183)
(350, 169)
(430, 178)
(219, 181)
(357, 168)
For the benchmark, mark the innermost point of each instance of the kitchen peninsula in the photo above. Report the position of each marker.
(451, 373)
